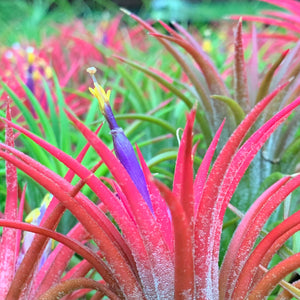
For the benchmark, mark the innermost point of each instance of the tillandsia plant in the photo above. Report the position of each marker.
(233, 93)
(145, 240)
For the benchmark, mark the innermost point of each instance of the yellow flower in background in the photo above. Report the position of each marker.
(38, 212)
(207, 46)
(35, 218)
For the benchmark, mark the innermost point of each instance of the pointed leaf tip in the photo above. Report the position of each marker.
(284, 54)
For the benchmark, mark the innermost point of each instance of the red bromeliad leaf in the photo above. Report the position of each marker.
(159, 205)
(240, 76)
(124, 221)
(184, 259)
(207, 213)
(240, 163)
(203, 170)
(182, 210)
(291, 5)
(79, 270)
(64, 288)
(273, 250)
(170, 30)
(246, 275)
(73, 244)
(179, 58)
(85, 212)
(56, 264)
(195, 44)
(246, 153)
(206, 64)
(236, 253)
(271, 279)
(270, 21)
(253, 68)
(215, 87)
(10, 240)
(183, 175)
(282, 15)
(275, 36)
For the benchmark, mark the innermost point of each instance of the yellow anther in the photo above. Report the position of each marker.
(98, 91)
(207, 46)
(33, 215)
(47, 199)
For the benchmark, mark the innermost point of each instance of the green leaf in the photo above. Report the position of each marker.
(150, 119)
(41, 114)
(32, 123)
(237, 110)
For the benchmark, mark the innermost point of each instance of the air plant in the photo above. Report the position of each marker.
(145, 240)
(232, 94)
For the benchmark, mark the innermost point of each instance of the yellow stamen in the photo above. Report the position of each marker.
(33, 215)
(98, 91)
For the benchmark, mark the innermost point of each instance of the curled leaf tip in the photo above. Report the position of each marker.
(294, 175)
(125, 11)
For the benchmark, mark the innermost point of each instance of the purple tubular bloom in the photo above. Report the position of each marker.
(126, 155)
(123, 148)
(29, 80)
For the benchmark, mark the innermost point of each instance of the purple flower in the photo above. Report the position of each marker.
(123, 148)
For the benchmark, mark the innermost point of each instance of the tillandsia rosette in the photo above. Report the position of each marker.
(35, 218)
(122, 146)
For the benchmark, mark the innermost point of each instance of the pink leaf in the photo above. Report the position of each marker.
(208, 211)
(85, 212)
(159, 205)
(250, 267)
(10, 238)
(240, 76)
(183, 176)
(184, 261)
(124, 221)
(236, 253)
(204, 168)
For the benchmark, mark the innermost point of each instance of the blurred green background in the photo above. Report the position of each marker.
(37, 15)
